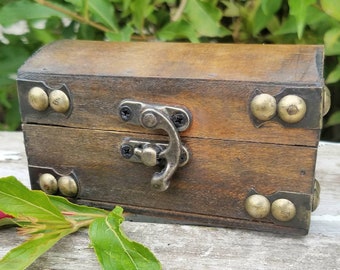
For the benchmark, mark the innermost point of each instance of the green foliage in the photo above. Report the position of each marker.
(114, 250)
(47, 219)
(239, 21)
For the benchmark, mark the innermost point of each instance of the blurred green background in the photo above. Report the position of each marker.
(26, 25)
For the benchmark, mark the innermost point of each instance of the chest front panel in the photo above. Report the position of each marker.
(223, 142)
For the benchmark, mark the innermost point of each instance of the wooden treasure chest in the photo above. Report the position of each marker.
(210, 134)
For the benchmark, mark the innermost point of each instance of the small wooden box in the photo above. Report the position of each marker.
(226, 134)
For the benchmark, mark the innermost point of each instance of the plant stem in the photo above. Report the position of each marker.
(81, 224)
(179, 11)
(74, 15)
(66, 213)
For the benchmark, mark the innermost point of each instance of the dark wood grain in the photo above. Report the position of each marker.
(215, 82)
(215, 182)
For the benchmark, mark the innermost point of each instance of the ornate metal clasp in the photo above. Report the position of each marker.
(171, 155)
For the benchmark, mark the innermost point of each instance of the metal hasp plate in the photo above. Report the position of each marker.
(171, 120)
(230, 147)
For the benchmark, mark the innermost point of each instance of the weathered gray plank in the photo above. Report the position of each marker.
(192, 247)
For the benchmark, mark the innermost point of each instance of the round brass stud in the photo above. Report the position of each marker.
(38, 99)
(316, 195)
(326, 100)
(283, 210)
(59, 101)
(292, 109)
(67, 186)
(263, 107)
(48, 183)
(257, 206)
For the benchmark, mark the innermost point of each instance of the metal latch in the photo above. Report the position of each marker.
(169, 155)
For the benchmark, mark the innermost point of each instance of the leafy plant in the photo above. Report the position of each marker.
(47, 219)
(246, 21)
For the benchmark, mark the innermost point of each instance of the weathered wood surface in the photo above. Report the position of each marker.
(193, 247)
(210, 189)
(201, 77)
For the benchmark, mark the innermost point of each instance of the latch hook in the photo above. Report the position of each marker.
(170, 119)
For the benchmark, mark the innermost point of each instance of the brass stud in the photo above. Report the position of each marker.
(59, 101)
(38, 99)
(292, 109)
(67, 186)
(316, 195)
(283, 210)
(326, 100)
(48, 183)
(257, 206)
(263, 107)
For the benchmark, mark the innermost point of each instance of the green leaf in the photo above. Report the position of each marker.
(205, 18)
(25, 10)
(104, 13)
(24, 255)
(332, 8)
(334, 75)
(42, 35)
(332, 41)
(334, 119)
(232, 9)
(178, 30)
(123, 35)
(114, 250)
(75, 211)
(270, 7)
(6, 219)
(76, 3)
(298, 9)
(6, 222)
(287, 27)
(12, 115)
(17, 200)
(261, 19)
(140, 10)
(11, 58)
(316, 16)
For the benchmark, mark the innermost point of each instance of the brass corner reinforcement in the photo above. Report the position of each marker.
(37, 98)
(293, 107)
(281, 207)
(53, 182)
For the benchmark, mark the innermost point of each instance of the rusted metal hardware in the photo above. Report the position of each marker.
(170, 119)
